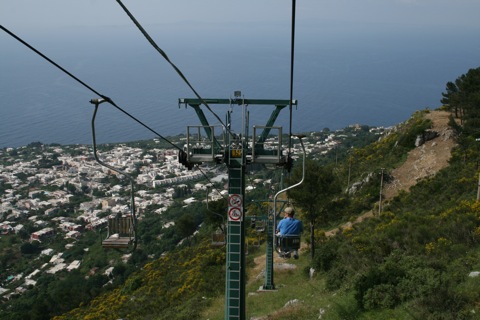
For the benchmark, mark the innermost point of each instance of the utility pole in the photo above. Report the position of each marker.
(381, 187)
(478, 188)
(478, 183)
(349, 172)
(235, 151)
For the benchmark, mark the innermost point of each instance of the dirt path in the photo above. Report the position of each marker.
(422, 162)
(426, 160)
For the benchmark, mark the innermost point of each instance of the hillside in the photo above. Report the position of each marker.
(421, 162)
(425, 160)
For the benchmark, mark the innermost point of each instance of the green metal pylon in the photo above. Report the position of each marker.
(235, 154)
(235, 268)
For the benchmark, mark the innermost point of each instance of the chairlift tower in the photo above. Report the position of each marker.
(204, 144)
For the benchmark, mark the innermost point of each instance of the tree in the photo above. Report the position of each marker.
(139, 257)
(216, 213)
(186, 225)
(449, 98)
(314, 196)
(30, 248)
(463, 97)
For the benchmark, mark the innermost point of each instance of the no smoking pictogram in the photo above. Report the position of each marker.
(235, 200)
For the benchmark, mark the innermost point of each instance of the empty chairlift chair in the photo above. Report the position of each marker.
(218, 238)
(260, 226)
(121, 230)
(120, 234)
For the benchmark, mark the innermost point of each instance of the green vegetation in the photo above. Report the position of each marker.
(176, 286)
(315, 195)
(462, 98)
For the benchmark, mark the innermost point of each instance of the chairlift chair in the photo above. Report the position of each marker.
(120, 233)
(260, 226)
(121, 230)
(218, 239)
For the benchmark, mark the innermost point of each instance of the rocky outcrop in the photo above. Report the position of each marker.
(425, 136)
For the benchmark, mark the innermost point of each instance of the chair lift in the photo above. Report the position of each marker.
(120, 233)
(285, 244)
(259, 227)
(121, 230)
(218, 237)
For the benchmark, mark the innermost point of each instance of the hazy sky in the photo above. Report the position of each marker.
(36, 14)
(382, 59)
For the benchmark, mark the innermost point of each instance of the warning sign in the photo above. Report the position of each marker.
(235, 200)
(235, 207)
(235, 214)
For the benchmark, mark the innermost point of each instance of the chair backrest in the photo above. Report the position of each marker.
(123, 226)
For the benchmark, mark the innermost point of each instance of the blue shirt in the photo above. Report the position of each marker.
(290, 226)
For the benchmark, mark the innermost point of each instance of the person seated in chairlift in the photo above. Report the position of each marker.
(290, 226)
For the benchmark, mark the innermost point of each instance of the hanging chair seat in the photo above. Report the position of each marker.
(117, 243)
(218, 239)
(260, 226)
(120, 233)
(288, 243)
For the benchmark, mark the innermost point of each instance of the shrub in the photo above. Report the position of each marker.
(325, 255)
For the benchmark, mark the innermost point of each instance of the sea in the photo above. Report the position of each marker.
(370, 76)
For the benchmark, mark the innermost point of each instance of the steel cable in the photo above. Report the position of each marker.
(292, 50)
(109, 100)
(164, 55)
